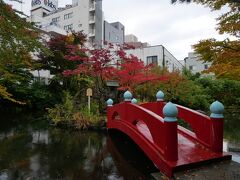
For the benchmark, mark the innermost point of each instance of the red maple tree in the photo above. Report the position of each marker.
(111, 63)
(93, 62)
(132, 72)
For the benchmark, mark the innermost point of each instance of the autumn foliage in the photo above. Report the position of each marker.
(111, 63)
(92, 62)
(224, 55)
(18, 40)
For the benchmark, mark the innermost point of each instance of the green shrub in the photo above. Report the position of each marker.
(41, 96)
(64, 111)
(69, 112)
(186, 93)
(226, 91)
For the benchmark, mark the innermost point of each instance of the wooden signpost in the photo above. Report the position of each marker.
(89, 94)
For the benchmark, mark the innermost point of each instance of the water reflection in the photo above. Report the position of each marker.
(128, 158)
(232, 134)
(40, 137)
(233, 148)
(232, 126)
(57, 154)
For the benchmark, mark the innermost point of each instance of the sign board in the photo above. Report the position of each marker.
(112, 83)
(50, 5)
(89, 92)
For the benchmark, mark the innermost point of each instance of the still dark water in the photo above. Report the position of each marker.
(35, 151)
(28, 151)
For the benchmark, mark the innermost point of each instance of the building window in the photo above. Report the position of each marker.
(91, 5)
(68, 27)
(68, 16)
(192, 68)
(42, 80)
(92, 17)
(152, 60)
(56, 19)
(92, 40)
(206, 66)
(119, 62)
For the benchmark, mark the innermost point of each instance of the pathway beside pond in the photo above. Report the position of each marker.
(225, 170)
(228, 170)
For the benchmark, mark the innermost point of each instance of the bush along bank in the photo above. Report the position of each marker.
(71, 114)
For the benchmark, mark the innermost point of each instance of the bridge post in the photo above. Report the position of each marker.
(170, 112)
(160, 96)
(109, 105)
(127, 97)
(160, 102)
(134, 101)
(217, 120)
(109, 102)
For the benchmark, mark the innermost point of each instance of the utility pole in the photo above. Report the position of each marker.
(163, 58)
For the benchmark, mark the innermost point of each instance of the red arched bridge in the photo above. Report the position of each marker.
(153, 127)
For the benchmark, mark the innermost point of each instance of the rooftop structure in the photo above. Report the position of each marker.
(114, 32)
(132, 40)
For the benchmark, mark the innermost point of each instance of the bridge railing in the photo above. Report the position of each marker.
(163, 131)
(206, 130)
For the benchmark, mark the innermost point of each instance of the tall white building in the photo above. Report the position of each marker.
(81, 15)
(157, 55)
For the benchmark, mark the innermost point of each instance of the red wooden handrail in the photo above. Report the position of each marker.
(206, 130)
(200, 124)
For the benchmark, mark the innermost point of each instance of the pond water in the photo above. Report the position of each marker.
(27, 152)
(30, 151)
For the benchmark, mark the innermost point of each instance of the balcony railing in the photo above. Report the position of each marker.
(92, 7)
(91, 32)
(91, 19)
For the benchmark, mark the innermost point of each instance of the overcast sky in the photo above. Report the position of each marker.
(158, 22)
